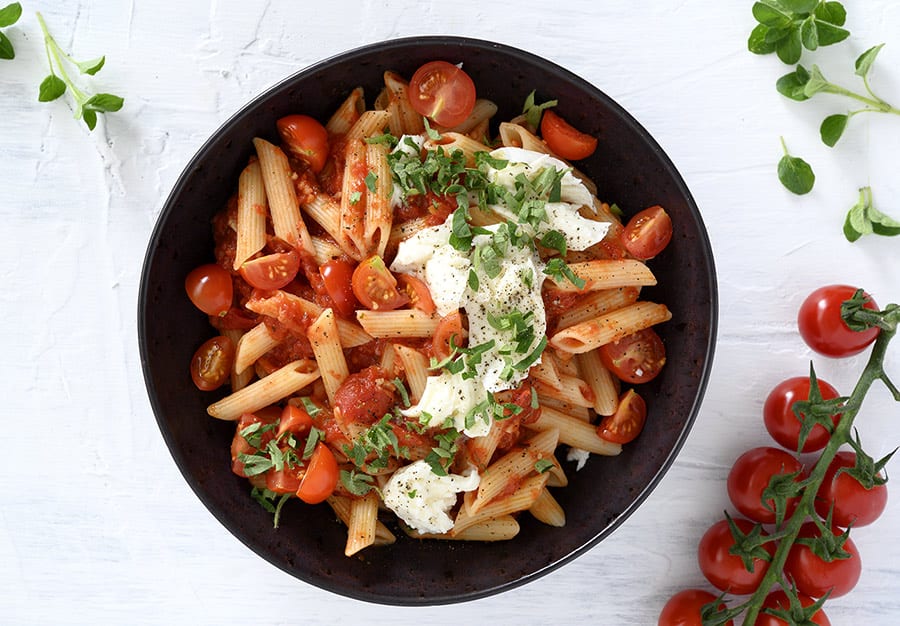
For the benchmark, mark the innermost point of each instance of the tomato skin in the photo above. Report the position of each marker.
(442, 92)
(210, 289)
(726, 571)
(272, 271)
(306, 139)
(212, 363)
(449, 328)
(239, 445)
(815, 577)
(565, 140)
(779, 600)
(321, 476)
(853, 503)
(294, 420)
(286, 480)
(363, 398)
(822, 328)
(375, 287)
(337, 276)
(647, 233)
(783, 425)
(750, 475)
(417, 292)
(683, 609)
(636, 358)
(627, 422)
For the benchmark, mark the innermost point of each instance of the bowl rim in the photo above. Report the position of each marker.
(439, 42)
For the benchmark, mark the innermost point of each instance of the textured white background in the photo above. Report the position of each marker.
(97, 525)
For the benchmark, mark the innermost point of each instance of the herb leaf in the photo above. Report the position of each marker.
(104, 103)
(6, 48)
(10, 14)
(92, 67)
(832, 128)
(866, 59)
(533, 112)
(795, 173)
(792, 85)
(51, 88)
(864, 219)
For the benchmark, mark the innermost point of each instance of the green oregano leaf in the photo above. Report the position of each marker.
(10, 14)
(866, 59)
(832, 128)
(795, 173)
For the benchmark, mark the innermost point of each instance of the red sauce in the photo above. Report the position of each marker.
(364, 398)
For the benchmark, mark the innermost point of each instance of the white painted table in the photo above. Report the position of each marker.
(98, 526)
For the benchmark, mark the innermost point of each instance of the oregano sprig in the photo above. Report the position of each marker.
(787, 26)
(9, 15)
(87, 106)
(864, 219)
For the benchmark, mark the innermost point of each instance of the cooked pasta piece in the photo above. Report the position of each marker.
(403, 323)
(361, 527)
(342, 120)
(281, 194)
(500, 528)
(602, 383)
(547, 510)
(324, 337)
(252, 209)
(379, 215)
(575, 432)
(239, 380)
(281, 383)
(611, 327)
(607, 274)
(597, 303)
(416, 367)
(520, 500)
(342, 505)
(252, 345)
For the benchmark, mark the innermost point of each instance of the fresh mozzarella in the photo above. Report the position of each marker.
(450, 397)
(423, 499)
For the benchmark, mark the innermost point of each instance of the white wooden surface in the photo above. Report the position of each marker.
(97, 525)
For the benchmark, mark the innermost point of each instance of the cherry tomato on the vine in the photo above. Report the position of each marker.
(724, 570)
(212, 363)
(564, 139)
(814, 576)
(852, 502)
(210, 289)
(442, 92)
(635, 358)
(647, 233)
(780, 420)
(272, 271)
(375, 287)
(306, 139)
(821, 325)
(685, 608)
(750, 476)
(779, 600)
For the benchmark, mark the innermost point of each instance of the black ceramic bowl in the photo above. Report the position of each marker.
(630, 170)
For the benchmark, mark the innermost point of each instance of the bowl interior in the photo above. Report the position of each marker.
(629, 168)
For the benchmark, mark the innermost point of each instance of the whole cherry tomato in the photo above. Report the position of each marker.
(852, 502)
(750, 476)
(724, 570)
(779, 416)
(814, 576)
(822, 327)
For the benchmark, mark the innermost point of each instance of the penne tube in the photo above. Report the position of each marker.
(607, 274)
(347, 114)
(500, 528)
(341, 505)
(547, 510)
(378, 214)
(601, 382)
(557, 475)
(580, 412)
(401, 323)
(361, 525)
(570, 390)
(574, 432)
(403, 118)
(482, 112)
(242, 379)
(281, 383)
(327, 214)
(278, 179)
(252, 209)
(369, 124)
(354, 198)
(610, 327)
(597, 303)
(325, 249)
(326, 345)
(252, 345)
(450, 142)
(520, 500)
(415, 365)
(481, 449)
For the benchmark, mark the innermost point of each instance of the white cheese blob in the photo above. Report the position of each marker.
(579, 456)
(450, 397)
(423, 499)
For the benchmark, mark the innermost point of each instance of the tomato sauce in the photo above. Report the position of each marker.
(364, 398)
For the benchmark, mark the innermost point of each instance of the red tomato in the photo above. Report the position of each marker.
(821, 325)
(636, 358)
(565, 140)
(816, 577)
(337, 275)
(286, 480)
(306, 139)
(212, 363)
(364, 398)
(725, 570)
(685, 607)
(239, 445)
(321, 476)
(210, 289)
(294, 420)
(780, 420)
(647, 233)
(449, 328)
(779, 600)
(749, 477)
(272, 271)
(417, 292)
(627, 422)
(853, 503)
(442, 92)
(375, 287)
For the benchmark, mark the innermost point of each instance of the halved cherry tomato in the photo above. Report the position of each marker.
(685, 608)
(750, 476)
(852, 503)
(375, 287)
(306, 139)
(778, 600)
(449, 328)
(822, 327)
(565, 140)
(272, 271)
(417, 292)
(627, 422)
(321, 476)
(337, 275)
(816, 577)
(212, 362)
(210, 289)
(442, 92)
(294, 420)
(780, 420)
(647, 233)
(285, 480)
(239, 445)
(635, 358)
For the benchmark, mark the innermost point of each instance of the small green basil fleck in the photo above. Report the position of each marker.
(371, 179)
(866, 59)
(832, 128)
(795, 173)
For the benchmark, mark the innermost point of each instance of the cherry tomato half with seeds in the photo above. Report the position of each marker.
(778, 600)
(375, 287)
(781, 422)
(285, 480)
(212, 362)
(816, 577)
(210, 289)
(449, 329)
(852, 502)
(442, 92)
(337, 275)
(636, 358)
(822, 327)
(417, 292)
(750, 476)
(272, 271)
(627, 422)
(647, 233)
(321, 476)
(306, 139)
(685, 608)
(565, 140)
(724, 570)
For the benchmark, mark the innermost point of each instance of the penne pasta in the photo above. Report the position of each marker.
(285, 381)
(361, 525)
(252, 345)
(324, 337)
(602, 383)
(278, 180)
(596, 304)
(252, 209)
(607, 274)
(415, 365)
(404, 323)
(575, 432)
(610, 327)
(547, 510)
